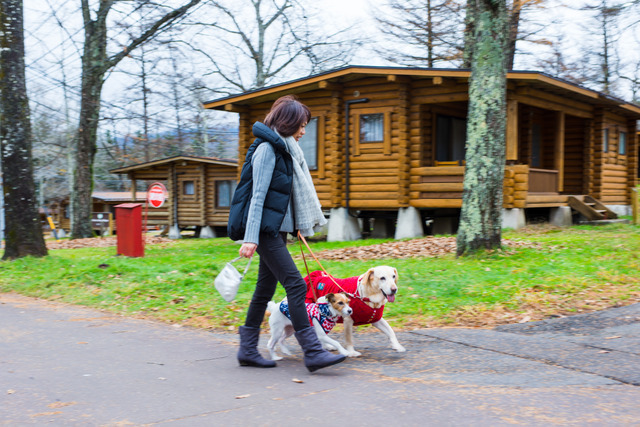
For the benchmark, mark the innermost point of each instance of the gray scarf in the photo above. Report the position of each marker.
(307, 209)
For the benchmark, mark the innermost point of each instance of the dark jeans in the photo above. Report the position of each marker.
(276, 265)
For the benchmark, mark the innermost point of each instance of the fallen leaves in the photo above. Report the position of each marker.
(415, 248)
(100, 242)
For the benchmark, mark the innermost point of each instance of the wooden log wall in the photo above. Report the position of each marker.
(189, 206)
(598, 158)
(516, 186)
(335, 153)
(245, 137)
(404, 143)
(442, 187)
(612, 169)
(374, 166)
(214, 216)
(416, 136)
(437, 187)
(633, 146)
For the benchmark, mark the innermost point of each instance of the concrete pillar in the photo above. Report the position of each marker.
(409, 223)
(207, 233)
(342, 226)
(620, 209)
(513, 218)
(61, 234)
(174, 232)
(561, 216)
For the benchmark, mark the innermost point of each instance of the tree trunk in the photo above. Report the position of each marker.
(94, 59)
(22, 223)
(469, 33)
(481, 216)
(95, 65)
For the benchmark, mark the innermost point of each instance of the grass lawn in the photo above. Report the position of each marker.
(570, 271)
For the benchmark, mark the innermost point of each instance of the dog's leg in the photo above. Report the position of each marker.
(348, 337)
(288, 331)
(326, 341)
(384, 327)
(276, 332)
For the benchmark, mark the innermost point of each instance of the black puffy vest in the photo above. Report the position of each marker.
(276, 201)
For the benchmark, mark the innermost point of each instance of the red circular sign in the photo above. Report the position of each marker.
(156, 195)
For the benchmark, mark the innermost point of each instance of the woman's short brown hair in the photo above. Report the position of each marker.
(287, 114)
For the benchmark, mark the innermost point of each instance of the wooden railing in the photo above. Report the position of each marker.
(543, 181)
(441, 187)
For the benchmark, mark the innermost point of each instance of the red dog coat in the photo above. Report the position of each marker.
(323, 285)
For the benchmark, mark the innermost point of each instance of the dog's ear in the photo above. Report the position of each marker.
(330, 297)
(396, 273)
(369, 276)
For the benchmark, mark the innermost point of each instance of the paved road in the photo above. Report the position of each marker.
(69, 366)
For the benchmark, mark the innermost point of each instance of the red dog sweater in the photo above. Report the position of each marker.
(323, 285)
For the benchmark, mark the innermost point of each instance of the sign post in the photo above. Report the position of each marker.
(156, 196)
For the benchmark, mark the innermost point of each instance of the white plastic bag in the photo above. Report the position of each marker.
(228, 281)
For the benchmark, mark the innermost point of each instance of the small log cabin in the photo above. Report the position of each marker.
(386, 142)
(102, 202)
(199, 192)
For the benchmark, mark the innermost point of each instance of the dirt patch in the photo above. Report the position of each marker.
(100, 242)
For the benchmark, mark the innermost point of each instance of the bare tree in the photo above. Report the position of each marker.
(95, 65)
(269, 40)
(23, 228)
(516, 9)
(481, 215)
(422, 32)
(607, 13)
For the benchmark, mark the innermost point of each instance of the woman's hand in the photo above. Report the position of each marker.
(248, 249)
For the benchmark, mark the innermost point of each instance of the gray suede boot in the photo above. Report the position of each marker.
(315, 357)
(248, 354)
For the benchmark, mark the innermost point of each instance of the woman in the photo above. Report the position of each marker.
(276, 196)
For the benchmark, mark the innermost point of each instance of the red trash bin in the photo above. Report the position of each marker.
(129, 229)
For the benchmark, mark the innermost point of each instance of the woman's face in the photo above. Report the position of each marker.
(300, 132)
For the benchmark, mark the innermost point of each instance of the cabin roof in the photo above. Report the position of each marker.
(175, 159)
(116, 196)
(353, 72)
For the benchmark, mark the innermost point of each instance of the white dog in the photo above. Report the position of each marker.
(323, 316)
(369, 293)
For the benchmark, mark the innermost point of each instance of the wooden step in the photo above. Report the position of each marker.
(591, 208)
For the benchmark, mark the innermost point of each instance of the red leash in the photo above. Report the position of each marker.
(301, 240)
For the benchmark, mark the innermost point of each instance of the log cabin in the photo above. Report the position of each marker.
(199, 192)
(102, 202)
(388, 144)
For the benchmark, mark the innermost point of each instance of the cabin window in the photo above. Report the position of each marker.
(372, 127)
(224, 193)
(188, 188)
(605, 141)
(622, 146)
(309, 144)
(536, 145)
(451, 136)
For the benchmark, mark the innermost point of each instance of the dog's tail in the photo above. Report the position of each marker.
(272, 307)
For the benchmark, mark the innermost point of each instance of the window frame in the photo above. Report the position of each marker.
(622, 143)
(436, 142)
(316, 144)
(360, 146)
(233, 184)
